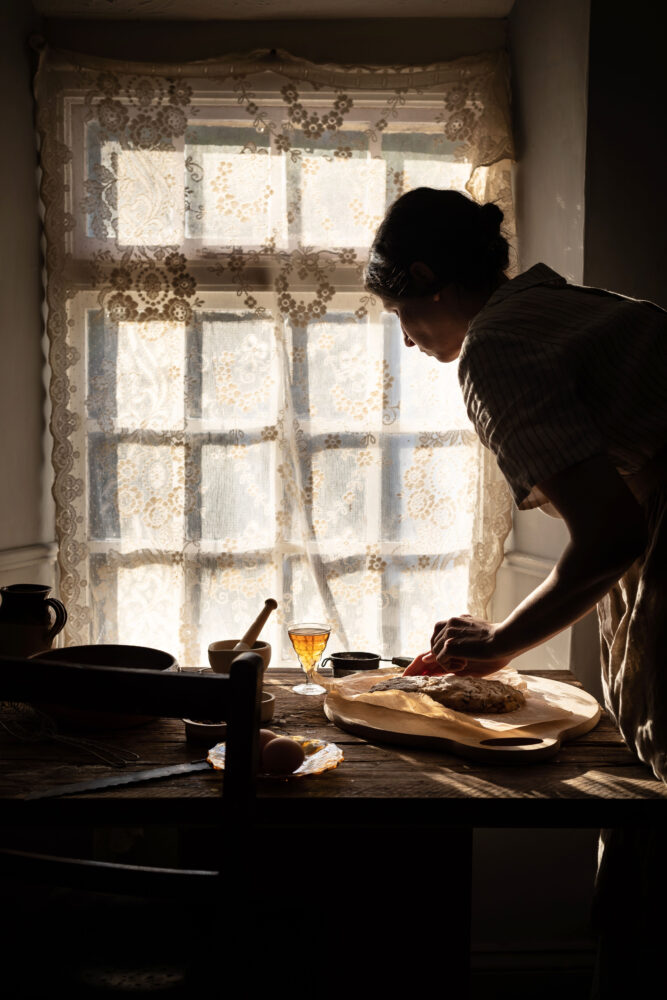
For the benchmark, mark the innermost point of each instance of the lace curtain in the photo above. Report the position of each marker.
(233, 417)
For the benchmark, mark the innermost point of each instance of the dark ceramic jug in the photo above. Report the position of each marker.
(26, 619)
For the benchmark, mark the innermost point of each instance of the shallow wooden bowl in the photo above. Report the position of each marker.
(104, 655)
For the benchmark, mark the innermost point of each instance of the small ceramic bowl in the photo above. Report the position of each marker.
(221, 654)
(267, 707)
(203, 731)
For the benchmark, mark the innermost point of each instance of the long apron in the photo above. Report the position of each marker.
(633, 633)
(631, 885)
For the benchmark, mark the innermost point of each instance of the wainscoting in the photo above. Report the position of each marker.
(29, 564)
(576, 649)
(520, 573)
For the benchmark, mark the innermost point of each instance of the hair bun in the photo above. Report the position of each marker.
(490, 217)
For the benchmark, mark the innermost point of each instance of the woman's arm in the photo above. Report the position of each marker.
(607, 533)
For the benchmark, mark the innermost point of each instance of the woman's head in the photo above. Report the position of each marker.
(431, 238)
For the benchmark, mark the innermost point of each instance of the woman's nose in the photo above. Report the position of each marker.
(406, 340)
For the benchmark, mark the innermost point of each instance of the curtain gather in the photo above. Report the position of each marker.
(233, 416)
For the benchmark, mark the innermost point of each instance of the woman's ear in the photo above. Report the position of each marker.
(422, 273)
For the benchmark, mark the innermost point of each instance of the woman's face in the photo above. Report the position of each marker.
(436, 324)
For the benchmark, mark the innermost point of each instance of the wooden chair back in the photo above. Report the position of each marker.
(234, 699)
(24, 875)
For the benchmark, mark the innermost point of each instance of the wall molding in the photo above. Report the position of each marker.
(27, 557)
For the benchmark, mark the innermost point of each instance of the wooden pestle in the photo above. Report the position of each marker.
(251, 635)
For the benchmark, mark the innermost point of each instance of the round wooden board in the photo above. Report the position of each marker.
(517, 746)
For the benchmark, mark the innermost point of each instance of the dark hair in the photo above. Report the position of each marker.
(457, 238)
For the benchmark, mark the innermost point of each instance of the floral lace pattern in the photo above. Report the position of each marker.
(232, 414)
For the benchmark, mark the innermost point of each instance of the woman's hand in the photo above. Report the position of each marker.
(452, 662)
(467, 645)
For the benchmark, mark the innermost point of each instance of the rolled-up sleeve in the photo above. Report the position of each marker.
(522, 401)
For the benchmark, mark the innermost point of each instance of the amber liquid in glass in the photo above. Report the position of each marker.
(308, 645)
(309, 640)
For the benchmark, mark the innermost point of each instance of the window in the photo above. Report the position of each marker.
(233, 416)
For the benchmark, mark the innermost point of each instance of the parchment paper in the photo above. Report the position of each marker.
(541, 706)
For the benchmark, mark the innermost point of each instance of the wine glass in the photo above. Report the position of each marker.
(309, 640)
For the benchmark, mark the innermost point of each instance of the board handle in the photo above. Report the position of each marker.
(514, 741)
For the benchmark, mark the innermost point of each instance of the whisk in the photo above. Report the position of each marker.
(30, 725)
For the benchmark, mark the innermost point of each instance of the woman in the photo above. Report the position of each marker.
(567, 386)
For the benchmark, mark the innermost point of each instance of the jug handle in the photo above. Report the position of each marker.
(60, 613)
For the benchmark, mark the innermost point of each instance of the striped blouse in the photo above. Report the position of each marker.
(554, 373)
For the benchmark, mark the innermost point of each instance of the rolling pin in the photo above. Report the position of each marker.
(251, 635)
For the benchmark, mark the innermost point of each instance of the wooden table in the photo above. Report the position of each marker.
(594, 781)
(340, 837)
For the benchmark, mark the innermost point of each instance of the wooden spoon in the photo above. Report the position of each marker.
(251, 635)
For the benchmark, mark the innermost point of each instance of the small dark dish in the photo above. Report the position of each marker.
(136, 657)
(348, 663)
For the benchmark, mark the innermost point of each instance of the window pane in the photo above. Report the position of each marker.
(339, 377)
(234, 186)
(336, 191)
(150, 376)
(344, 483)
(437, 505)
(429, 591)
(232, 593)
(238, 494)
(240, 370)
(149, 598)
(423, 156)
(431, 398)
(151, 495)
(150, 197)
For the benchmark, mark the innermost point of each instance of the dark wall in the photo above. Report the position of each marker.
(549, 58)
(24, 520)
(626, 209)
(392, 40)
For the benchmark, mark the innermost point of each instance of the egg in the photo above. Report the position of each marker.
(282, 755)
(265, 736)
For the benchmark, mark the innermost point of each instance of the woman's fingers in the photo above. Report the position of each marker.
(420, 665)
(425, 663)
